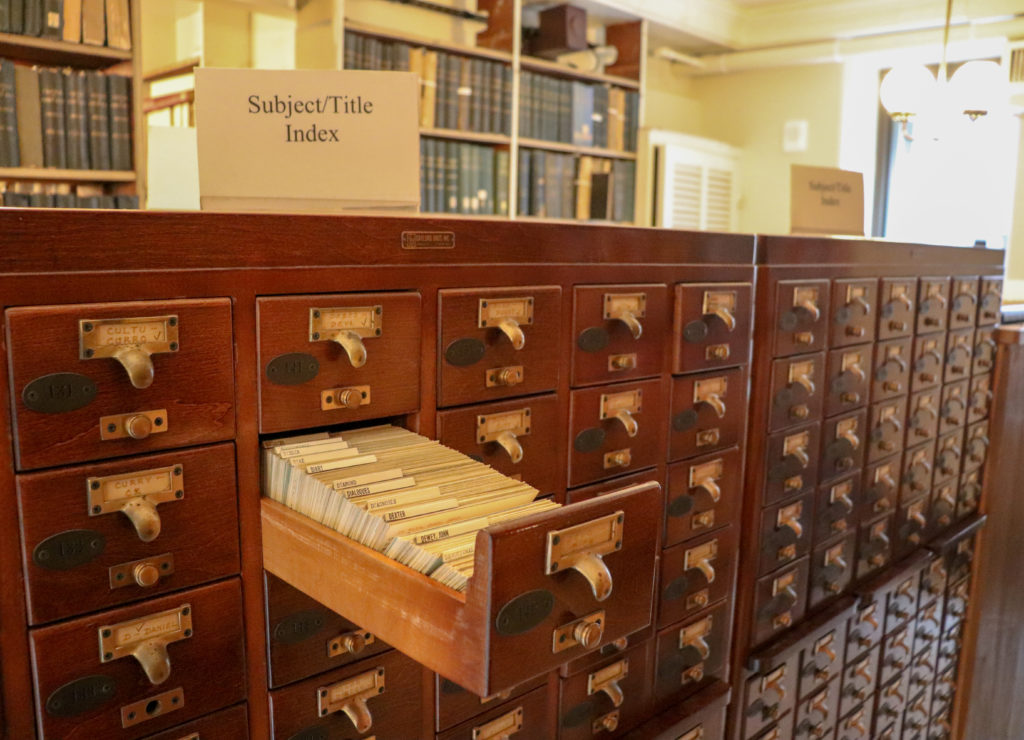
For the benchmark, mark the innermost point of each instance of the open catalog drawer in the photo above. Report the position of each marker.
(531, 604)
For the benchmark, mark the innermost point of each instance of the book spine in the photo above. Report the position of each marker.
(476, 94)
(523, 182)
(9, 153)
(423, 173)
(33, 17)
(76, 120)
(506, 99)
(119, 89)
(29, 115)
(5, 16)
(451, 177)
(501, 174)
(441, 91)
(17, 16)
(99, 121)
(465, 178)
(463, 90)
(487, 180)
(49, 80)
(525, 85)
(127, 202)
(350, 51)
(538, 195)
(53, 19)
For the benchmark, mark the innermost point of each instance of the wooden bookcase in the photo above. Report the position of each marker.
(49, 52)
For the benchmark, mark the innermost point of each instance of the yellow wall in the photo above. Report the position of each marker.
(669, 99)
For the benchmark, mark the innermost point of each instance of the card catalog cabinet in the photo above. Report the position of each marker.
(789, 435)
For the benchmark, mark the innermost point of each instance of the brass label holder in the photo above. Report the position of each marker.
(130, 341)
(146, 639)
(800, 373)
(582, 547)
(145, 572)
(586, 631)
(152, 707)
(807, 299)
(606, 680)
(796, 445)
(505, 428)
(628, 308)
(720, 303)
(712, 392)
(697, 733)
(351, 397)
(501, 728)
(847, 429)
(347, 326)
(707, 475)
(349, 643)
(508, 315)
(350, 696)
(700, 558)
(696, 634)
(789, 516)
(136, 495)
(133, 425)
(623, 406)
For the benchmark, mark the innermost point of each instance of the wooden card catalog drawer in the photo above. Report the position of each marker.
(932, 304)
(847, 379)
(791, 462)
(933, 581)
(379, 697)
(943, 507)
(891, 374)
(923, 416)
(836, 508)
(860, 678)
(897, 299)
(959, 355)
(228, 724)
(969, 494)
(984, 352)
(857, 724)
(950, 648)
(339, 358)
(696, 574)
(769, 694)
(585, 493)
(890, 701)
(519, 438)
(816, 715)
(843, 441)
(990, 300)
(100, 535)
(692, 654)
(980, 398)
(874, 544)
(881, 487)
(615, 429)
(102, 380)
(619, 332)
(786, 531)
(798, 390)
(854, 309)
(498, 342)
(709, 412)
(887, 420)
(976, 446)
(948, 454)
(614, 694)
(701, 717)
(929, 360)
(963, 306)
(780, 600)
(456, 705)
(832, 567)
(712, 326)
(531, 715)
(506, 627)
(801, 316)
(140, 669)
(957, 598)
(927, 627)
(918, 469)
(897, 650)
(702, 494)
(953, 411)
(864, 629)
(305, 637)
(915, 717)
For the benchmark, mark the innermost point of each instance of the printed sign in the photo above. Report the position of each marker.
(824, 200)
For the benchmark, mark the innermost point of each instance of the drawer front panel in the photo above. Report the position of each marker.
(797, 392)
(89, 404)
(890, 376)
(887, 420)
(913, 522)
(847, 379)
(854, 310)
(531, 715)
(769, 695)
(990, 300)
(712, 326)
(786, 531)
(488, 331)
(897, 651)
(529, 452)
(842, 444)
(860, 677)
(923, 416)
(702, 494)
(874, 544)
(918, 470)
(857, 724)
(953, 412)
(96, 536)
(816, 716)
(615, 693)
(975, 446)
(943, 506)
(928, 627)
(959, 355)
(832, 569)
(948, 456)
(897, 301)
(709, 412)
(586, 493)
(352, 344)
(969, 495)
(695, 574)
(932, 304)
(864, 631)
(881, 487)
(984, 351)
(791, 463)
(617, 435)
(821, 659)
(780, 600)
(618, 332)
(801, 316)
(836, 508)
(891, 700)
(692, 653)
(330, 705)
(304, 637)
(929, 362)
(980, 398)
(90, 685)
(229, 724)
(456, 705)
(963, 306)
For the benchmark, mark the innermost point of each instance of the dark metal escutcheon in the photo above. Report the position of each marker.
(69, 549)
(579, 714)
(465, 352)
(680, 505)
(524, 612)
(311, 733)
(684, 420)
(589, 440)
(294, 368)
(789, 321)
(695, 331)
(80, 696)
(593, 339)
(676, 589)
(59, 393)
(298, 627)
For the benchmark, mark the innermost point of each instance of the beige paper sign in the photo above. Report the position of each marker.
(307, 140)
(824, 200)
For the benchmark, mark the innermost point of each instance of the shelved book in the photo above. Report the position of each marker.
(411, 498)
(34, 194)
(64, 118)
(94, 22)
(459, 177)
(557, 185)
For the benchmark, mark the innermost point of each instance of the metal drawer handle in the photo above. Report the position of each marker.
(630, 423)
(353, 345)
(709, 484)
(810, 307)
(510, 443)
(725, 315)
(511, 329)
(631, 321)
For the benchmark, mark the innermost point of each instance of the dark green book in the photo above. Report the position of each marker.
(501, 182)
(51, 105)
(9, 156)
(568, 181)
(17, 16)
(525, 112)
(523, 182)
(476, 94)
(99, 120)
(33, 18)
(487, 180)
(53, 19)
(127, 202)
(120, 100)
(5, 16)
(538, 195)
(451, 177)
(465, 179)
(76, 119)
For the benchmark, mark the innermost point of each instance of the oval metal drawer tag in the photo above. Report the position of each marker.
(59, 393)
(524, 612)
(69, 549)
(298, 627)
(593, 339)
(81, 695)
(465, 352)
(292, 369)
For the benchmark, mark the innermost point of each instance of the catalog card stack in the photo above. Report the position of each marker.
(392, 490)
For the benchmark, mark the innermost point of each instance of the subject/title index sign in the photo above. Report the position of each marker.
(307, 140)
(825, 200)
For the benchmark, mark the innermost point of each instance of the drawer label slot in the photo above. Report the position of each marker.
(347, 326)
(130, 341)
(582, 547)
(501, 728)
(350, 697)
(137, 494)
(146, 639)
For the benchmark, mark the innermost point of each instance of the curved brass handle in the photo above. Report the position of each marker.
(511, 329)
(510, 443)
(710, 485)
(934, 354)
(857, 370)
(357, 711)
(631, 425)
(715, 402)
(152, 656)
(632, 323)
(726, 316)
(898, 360)
(827, 650)
(812, 308)
(138, 363)
(794, 524)
(928, 410)
(353, 345)
(702, 646)
(801, 455)
(862, 670)
(806, 382)
(894, 422)
(705, 567)
(845, 500)
(940, 298)
(775, 684)
(144, 517)
(850, 436)
(614, 692)
(854, 723)
(592, 567)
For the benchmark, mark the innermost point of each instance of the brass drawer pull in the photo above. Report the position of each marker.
(607, 681)
(350, 696)
(347, 327)
(146, 639)
(137, 495)
(501, 728)
(628, 308)
(582, 547)
(131, 342)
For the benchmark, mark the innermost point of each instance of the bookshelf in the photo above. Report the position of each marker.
(69, 114)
